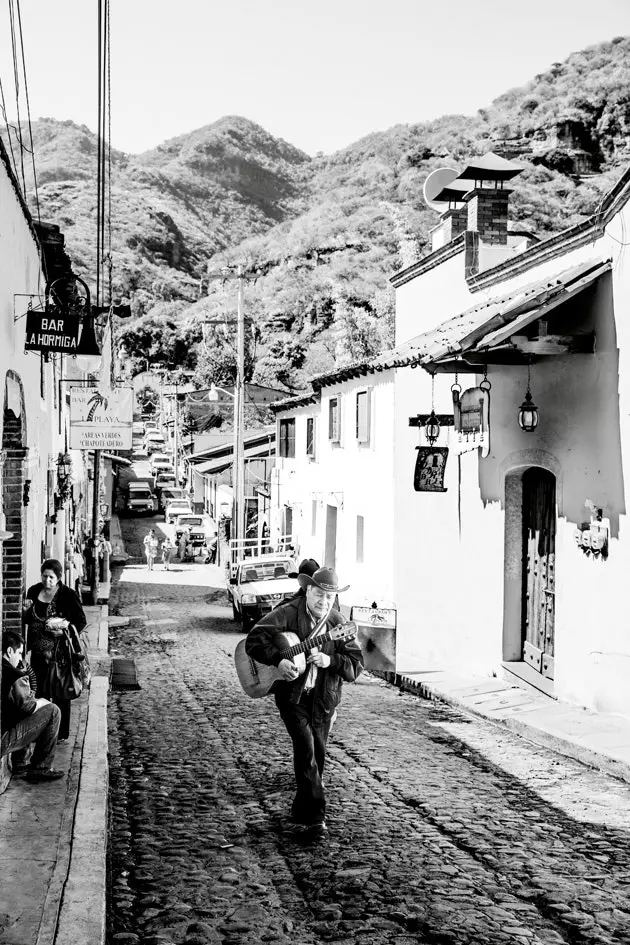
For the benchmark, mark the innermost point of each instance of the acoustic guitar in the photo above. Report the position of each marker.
(258, 679)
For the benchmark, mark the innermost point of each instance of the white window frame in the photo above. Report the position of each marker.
(312, 455)
(366, 438)
(334, 438)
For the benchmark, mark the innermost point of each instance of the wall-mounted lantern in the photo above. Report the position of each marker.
(432, 428)
(528, 411)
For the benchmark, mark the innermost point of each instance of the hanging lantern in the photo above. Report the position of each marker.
(432, 428)
(528, 411)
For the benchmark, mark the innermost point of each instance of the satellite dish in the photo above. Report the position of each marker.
(435, 183)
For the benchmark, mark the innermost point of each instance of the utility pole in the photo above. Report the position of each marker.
(176, 434)
(238, 467)
(238, 517)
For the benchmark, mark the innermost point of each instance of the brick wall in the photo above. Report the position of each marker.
(13, 564)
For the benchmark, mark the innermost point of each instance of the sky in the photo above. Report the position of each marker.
(318, 73)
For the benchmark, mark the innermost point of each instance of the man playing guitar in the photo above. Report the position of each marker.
(307, 701)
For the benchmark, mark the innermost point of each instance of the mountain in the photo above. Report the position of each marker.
(318, 236)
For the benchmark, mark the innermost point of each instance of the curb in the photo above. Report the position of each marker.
(563, 746)
(82, 914)
(119, 554)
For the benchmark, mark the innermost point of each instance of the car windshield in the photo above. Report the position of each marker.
(265, 571)
(172, 494)
(139, 493)
(190, 520)
(179, 504)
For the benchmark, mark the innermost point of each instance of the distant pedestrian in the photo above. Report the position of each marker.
(211, 550)
(150, 548)
(181, 547)
(167, 550)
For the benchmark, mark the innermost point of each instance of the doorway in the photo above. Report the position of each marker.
(538, 570)
(330, 551)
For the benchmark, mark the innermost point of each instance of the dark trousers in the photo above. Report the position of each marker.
(64, 724)
(309, 756)
(41, 727)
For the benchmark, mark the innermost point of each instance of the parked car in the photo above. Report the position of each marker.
(164, 480)
(259, 585)
(150, 425)
(168, 493)
(163, 466)
(154, 442)
(140, 498)
(177, 507)
(160, 459)
(196, 526)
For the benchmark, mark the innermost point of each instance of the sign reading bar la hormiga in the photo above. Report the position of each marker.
(51, 330)
(101, 419)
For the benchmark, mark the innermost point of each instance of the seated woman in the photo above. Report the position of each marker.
(51, 607)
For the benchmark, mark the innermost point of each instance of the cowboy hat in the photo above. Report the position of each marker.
(325, 578)
(307, 566)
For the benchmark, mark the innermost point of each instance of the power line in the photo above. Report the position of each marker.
(28, 111)
(8, 127)
(16, 79)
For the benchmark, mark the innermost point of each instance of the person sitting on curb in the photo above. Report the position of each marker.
(25, 718)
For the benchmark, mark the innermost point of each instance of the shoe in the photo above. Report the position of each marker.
(318, 831)
(44, 774)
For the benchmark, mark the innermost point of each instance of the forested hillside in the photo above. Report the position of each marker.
(318, 236)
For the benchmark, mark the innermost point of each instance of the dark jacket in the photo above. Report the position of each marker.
(68, 605)
(346, 659)
(18, 700)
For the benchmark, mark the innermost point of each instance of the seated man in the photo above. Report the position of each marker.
(25, 718)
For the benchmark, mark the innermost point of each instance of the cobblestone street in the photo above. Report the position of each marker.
(443, 828)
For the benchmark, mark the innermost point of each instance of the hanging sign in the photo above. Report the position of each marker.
(430, 469)
(472, 419)
(51, 330)
(101, 418)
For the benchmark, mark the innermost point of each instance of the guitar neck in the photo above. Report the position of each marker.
(305, 645)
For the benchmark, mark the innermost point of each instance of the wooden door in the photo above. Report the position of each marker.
(539, 553)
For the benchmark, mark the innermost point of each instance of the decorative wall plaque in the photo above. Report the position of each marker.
(430, 469)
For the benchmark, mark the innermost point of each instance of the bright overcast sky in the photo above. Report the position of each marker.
(318, 73)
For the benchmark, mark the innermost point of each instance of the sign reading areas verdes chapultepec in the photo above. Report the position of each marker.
(51, 330)
(100, 418)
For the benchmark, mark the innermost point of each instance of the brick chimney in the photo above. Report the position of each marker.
(487, 214)
(452, 223)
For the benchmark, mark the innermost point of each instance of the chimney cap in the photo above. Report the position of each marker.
(489, 166)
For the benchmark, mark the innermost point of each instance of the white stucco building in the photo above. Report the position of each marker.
(519, 566)
(34, 409)
(331, 487)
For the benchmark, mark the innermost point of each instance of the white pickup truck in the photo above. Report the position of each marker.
(260, 584)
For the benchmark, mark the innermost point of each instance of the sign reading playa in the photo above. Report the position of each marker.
(101, 419)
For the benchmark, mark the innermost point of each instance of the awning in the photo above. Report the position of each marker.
(117, 459)
(262, 451)
(487, 333)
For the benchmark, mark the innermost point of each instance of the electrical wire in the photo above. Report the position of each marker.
(109, 152)
(28, 111)
(8, 127)
(16, 79)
